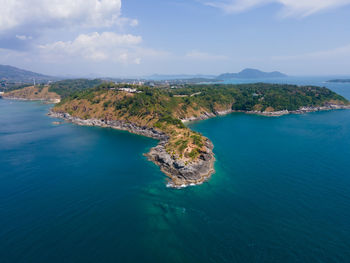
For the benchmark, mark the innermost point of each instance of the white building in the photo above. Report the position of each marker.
(129, 90)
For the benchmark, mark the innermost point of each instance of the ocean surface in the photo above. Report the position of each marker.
(281, 192)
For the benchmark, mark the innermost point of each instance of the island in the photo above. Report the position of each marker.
(339, 80)
(184, 155)
(250, 73)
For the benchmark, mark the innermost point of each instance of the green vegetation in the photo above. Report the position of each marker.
(169, 106)
(245, 97)
(65, 88)
(171, 120)
(163, 108)
(197, 140)
(182, 145)
(194, 154)
(107, 103)
(12, 87)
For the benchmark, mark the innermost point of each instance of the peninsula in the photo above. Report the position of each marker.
(185, 156)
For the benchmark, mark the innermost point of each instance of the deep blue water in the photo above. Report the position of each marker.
(281, 192)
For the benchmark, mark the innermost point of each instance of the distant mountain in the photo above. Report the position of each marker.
(251, 74)
(339, 80)
(15, 75)
(182, 77)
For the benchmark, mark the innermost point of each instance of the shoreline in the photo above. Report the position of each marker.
(302, 110)
(50, 101)
(180, 174)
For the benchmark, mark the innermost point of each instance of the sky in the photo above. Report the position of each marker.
(121, 38)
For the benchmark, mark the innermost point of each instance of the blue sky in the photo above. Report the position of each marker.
(138, 37)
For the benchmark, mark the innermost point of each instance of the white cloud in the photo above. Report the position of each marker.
(236, 6)
(60, 42)
(122, 21)
(300, 8)
(99, 47)
(53, 13)
(197, 55)
(96, 47)
(23, 37)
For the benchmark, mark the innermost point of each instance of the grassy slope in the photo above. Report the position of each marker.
(33, 93)
(57, 90)
(142, 109)
(260, 96)
(163, 109)
(65, 88)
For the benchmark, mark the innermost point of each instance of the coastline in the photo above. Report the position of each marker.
(48, 101)
(33, 93)
(302, 110)
(180, 174)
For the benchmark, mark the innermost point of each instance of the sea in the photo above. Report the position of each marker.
(281, 191)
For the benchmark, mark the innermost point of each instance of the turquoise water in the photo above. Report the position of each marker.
(281, 192)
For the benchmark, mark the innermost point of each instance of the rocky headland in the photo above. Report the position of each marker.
(184, 155)
(181, 174)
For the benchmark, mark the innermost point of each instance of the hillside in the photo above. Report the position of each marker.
(15, 75)
(40, 92)
(65, 88)
(184, 155)
(52, 92)
(251, 74)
